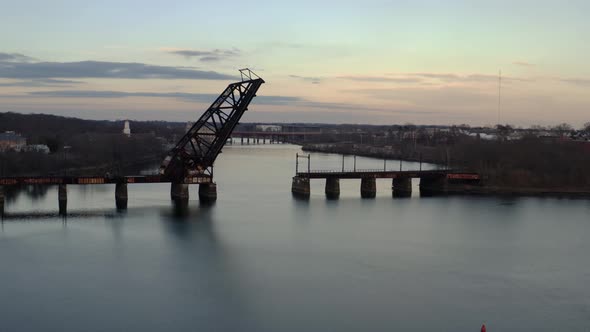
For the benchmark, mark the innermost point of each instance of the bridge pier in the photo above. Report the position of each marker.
(62, 197)
(208, 192)
(300, 187)
(332, 188)
(1, 200)
(368, 187)
(179, 192)
(121, 196)
(402, 187)
(432, 186)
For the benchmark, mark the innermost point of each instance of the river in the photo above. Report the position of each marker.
(260, 260)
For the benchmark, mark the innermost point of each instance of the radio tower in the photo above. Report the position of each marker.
(499, 93)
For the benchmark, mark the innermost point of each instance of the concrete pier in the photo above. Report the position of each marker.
(402, 187)
(432, 186)
(1, 200)
(179, 191)
(121, 197)
(368, 188)
(332, 188)
(62, 197)
(207, 192)
(300, 187)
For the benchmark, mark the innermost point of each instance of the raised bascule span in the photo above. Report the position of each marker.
(195, 153)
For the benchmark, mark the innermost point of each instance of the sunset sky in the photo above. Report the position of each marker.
(378, 62)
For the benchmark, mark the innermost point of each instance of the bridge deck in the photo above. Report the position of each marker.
(367, 173)
(86, 180)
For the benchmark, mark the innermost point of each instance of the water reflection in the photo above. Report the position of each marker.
(33, 192)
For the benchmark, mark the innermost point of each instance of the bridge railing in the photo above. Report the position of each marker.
(358, 170)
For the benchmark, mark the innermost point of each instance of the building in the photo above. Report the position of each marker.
(271, 128)
(127, 129)
(10, 140)
(37, 148)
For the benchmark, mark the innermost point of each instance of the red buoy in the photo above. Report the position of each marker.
(483, 328)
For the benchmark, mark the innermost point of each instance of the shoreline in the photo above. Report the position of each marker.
(460, 190)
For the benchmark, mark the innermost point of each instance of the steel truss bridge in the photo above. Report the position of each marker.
(189, 162)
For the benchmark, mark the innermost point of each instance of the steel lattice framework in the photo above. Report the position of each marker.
(197, 150)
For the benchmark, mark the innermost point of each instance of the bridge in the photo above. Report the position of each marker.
(432, 182)
(189, 162)
(271, 136)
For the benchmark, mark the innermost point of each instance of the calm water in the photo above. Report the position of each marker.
(259, 260)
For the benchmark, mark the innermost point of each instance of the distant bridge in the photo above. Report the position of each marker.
(271, 136)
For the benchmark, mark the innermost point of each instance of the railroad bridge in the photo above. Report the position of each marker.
(432, 182)
(189, 162)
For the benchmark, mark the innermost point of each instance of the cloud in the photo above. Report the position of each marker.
(429, 78)
(576, 81)
(199, 97)
(14, 57)
(523, 64)
(101, 69)
(313, 80)
(202, 98)
(206, 56)
(382, 79)
(22, 67)
(45, 82)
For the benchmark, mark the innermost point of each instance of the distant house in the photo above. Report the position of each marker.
(10, 140)
(271, 128)
(37, 148)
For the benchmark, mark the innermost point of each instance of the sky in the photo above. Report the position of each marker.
(373, 62)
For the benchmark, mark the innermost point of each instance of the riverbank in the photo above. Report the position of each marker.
(419, 153)
(494, 181)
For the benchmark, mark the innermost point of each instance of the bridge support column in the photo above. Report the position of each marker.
(208, 192)
(121, 196)
(368, 188)
(402, 187)
(300, 187)
(332, 188)
(1, 200)
(179, 191)
(432, 186)
(62, 197)
(242, 140)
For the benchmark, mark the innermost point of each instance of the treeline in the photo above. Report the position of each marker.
(528, 162)
(85, 147)
(88, 154)
(54, 130)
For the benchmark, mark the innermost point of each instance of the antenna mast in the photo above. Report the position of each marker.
(499, 93)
